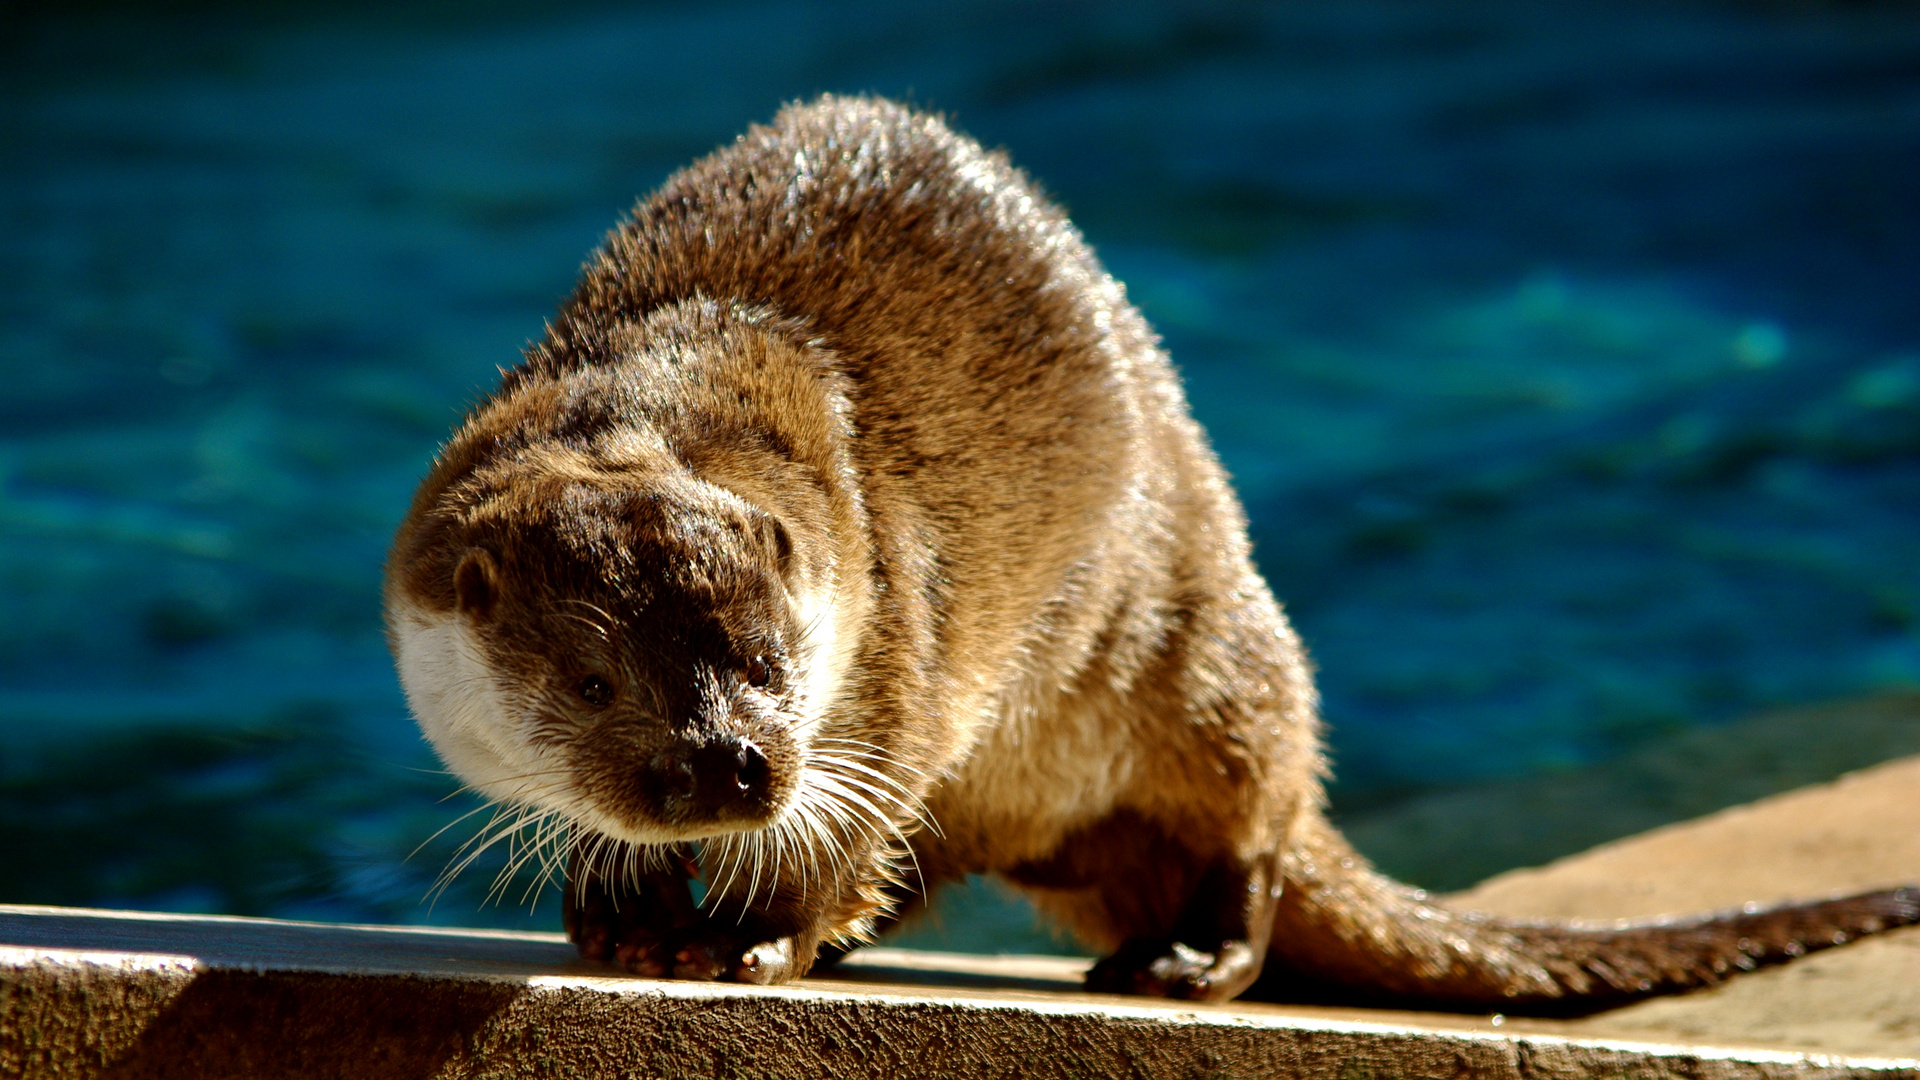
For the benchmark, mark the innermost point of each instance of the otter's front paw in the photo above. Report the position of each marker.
(638, 925)
(1160, 967)
(735, 954)
(649, 925)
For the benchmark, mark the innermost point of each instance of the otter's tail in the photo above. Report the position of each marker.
(1345, 932)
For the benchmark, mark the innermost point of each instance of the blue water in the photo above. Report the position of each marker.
(1567, 358)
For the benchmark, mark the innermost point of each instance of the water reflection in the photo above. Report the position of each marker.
(1567, 362)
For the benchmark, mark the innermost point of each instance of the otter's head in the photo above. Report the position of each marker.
(635, 649)
(629, 593)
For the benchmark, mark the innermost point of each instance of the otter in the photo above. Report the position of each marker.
(848, 533)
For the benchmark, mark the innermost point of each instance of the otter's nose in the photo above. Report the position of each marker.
(722, 777)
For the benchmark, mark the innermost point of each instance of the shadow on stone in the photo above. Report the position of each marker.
(242, 1025)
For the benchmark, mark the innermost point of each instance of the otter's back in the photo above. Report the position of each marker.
(1008, 401)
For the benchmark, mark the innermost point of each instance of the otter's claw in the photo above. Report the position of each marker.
(1157, 967)
(735, 957)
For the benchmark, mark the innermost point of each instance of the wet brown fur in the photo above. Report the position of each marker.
(932, 402)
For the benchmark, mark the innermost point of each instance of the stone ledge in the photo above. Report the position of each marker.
(113, 994)
(125, 994)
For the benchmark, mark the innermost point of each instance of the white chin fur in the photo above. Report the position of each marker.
(476, 730)
(826, 655)
(462, 713)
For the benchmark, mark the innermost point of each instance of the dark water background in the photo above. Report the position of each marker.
(1566, 355)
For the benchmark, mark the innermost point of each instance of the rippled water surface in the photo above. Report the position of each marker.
(1567, 357)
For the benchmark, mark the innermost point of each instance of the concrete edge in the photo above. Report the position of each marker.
(70, 1010)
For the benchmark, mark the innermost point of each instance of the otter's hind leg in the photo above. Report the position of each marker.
(1216, 947)
(1186, 926)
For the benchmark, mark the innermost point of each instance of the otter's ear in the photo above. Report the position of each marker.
(476, 583)
(774, 539)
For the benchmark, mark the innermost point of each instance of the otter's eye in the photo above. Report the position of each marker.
(758, 672)
(595, 691)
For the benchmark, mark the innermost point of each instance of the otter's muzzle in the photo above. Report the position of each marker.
(726, 777)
